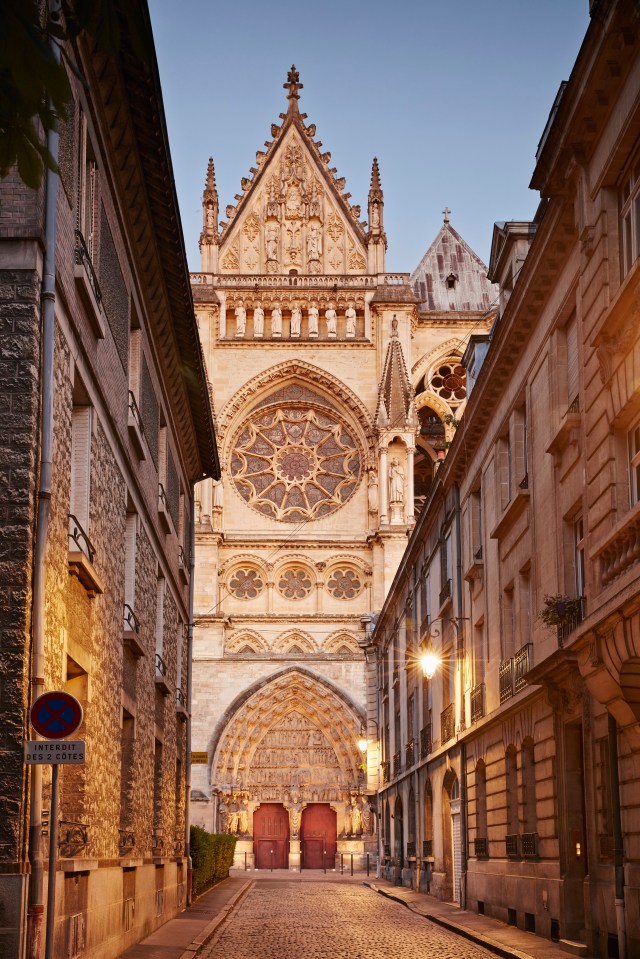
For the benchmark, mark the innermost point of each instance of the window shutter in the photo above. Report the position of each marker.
(160, 615)
(162, 456)
(130, 560)
(572, 359)
(80, 464)
(134, 363)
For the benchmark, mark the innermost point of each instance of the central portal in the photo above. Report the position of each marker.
(318, 836)
(271, 836)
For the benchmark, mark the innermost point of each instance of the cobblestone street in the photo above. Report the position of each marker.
(322, 920)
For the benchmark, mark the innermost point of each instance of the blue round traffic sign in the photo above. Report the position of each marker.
(56, 715)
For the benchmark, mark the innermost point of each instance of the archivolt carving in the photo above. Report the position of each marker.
(244, 559)
(240, 638)
(340, 640)
(294, 638)
(454, 345)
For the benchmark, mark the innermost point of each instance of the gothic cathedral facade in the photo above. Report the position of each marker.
(335, 387)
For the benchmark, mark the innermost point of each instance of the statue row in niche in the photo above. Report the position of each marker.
(233, 815)
(357, 817)
(272, 240)
(395, 483)
(313, 314)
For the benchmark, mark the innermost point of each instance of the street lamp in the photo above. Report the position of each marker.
(429, 662)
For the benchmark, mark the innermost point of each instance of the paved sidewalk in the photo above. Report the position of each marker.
(184, 936)
(504, 940)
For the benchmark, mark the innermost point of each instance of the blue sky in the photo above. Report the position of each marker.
(451, 97)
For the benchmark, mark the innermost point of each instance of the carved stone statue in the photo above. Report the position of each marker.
(273, 208)
(232, 821)
(314, 203)
(276, 320)
(211, 217)
(356, 818)
(348, 811)
(243, 817)
(365, 811)
(271, 240)
(350, 317)
(332, 320)
(314, 243)
(241, 319)
(295, 813)
(223, 816)
(396, 481)
(258, 320)
(296, 320)
(218, 494)
(372, 492)
(313, 319)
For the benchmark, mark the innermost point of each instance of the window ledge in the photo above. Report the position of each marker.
(618, 552)
(513, 510)
(161, 683)
(568, 434)
(136, 435)
(132, 639)
(80, 566)
(163, 510)
(94, 310)
(78, 865)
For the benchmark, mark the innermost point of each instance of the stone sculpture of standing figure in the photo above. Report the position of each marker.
(276, 320)
(350, 317)
(243, 817)
(332, 320)
(365, 810)
(241, 319)
(372, 492)
(271, 239)
(258, 320)
(313, 319)
(356, 818)
(347, 818)
(296, 320)
(396, 481)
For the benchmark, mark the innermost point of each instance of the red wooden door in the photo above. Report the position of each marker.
(271, 836)
(318, 836)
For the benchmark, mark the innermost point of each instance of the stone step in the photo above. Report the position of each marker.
(573, 947)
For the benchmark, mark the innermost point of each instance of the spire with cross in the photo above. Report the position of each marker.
(446, 212)
(293, 84)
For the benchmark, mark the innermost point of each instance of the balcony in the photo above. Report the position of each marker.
(529, 844)
(88, 287)
(521, 665)
(477, 702)
(163, 509)
(385, 771)
(621, 549)
(411, 849)
(181, 706)
(183, 566)
(427, 848)
(81, 558)
(447, 723)
(73, 839)
(161, 676)
(481, 847)
(505, 678)
(397, 764)
(511, 846)
(131, 632)
(136, 427)
(426, 741)
(410, 753)
(395, 679)
(445, 592)
(573, 619)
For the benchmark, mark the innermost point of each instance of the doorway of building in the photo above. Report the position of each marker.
(398, 833)
(318, 836)
(451, 832)
(575, 840)
(271, 836)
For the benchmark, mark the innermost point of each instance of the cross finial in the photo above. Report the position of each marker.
(293, 84)
(446, 212)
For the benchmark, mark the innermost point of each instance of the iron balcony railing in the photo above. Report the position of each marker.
(385, 771)
(411, 849)
(481, 847)
(427, 848)
(162, 497)
(73, 838)
(83, 257)
(79, 538)
(573, 620)
(511, 846)
(521, 666)
(505, 677)
(410, 753)
(529, 845)
(131, 621)
(161, 666)
(445, 592)
(134, 409)
(447, 723)
(477, 702)
(397, 764)
(426, 741)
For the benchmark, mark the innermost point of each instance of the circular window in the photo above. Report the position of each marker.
(344, 584)
(295, 462)
(449, 382)
(295, 583)
(245, 584)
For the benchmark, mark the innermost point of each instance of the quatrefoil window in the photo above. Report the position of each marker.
(295, 583)
(344, 584)
(245, 584)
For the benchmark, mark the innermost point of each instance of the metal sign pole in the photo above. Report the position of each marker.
(53, 856)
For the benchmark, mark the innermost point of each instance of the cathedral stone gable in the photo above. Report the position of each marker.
(293, 217)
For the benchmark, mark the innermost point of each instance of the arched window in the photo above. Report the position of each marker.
(481, 841)
(411, 817)
(428, 817)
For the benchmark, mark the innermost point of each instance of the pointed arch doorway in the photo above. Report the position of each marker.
(271, 836)
(318, 836)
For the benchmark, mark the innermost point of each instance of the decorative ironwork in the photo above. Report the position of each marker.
(411, 849)
(72, 839)
(521, 666)
(397, 764)
(481, 847)
(131, 621)
(396, 676)
(344, 584)
(387, 850)
(529, 845)
(427, 848)
(524, 482)
(182, 558)
(157, 845)
(246, 584)
(83, 257)
(135, 412)
(574, 406)
(478, 554)
(180, 699)
(445, 592)
(477, 702)
(410, 753)
(161, 666)
(162, 497)
(385, 771)
(447, 723)
(426, 741)
(80, 539)
(576, 616)
(505, 677)
(126, 841)
(511, 845)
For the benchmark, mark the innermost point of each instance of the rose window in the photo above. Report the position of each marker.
(295, 583)
(245, 584)
(295, 462)
(344, 584)
(449, 382)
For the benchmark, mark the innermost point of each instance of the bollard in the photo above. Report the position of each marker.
(324, 862)
(341, 864)
(352, 864)
(271, 851)
(245, 862)
(367, 864)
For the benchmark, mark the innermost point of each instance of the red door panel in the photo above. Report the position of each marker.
(271, 836)
(318, 836)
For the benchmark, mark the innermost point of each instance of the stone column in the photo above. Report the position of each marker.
(383, 485)
(410, 493)
(269, 595)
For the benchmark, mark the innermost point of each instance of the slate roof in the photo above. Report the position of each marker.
(450, 257)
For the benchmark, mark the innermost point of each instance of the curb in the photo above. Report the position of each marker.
(212, 926)
(480, 940)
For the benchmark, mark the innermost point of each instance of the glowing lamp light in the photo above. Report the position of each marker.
(429, 662)
(362, 745)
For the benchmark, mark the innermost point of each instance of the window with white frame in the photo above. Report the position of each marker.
(131, 535)
(630, 217)
(81, 426)
(578, 556)
(633, 445)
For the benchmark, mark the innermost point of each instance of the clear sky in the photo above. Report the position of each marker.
(452, 97)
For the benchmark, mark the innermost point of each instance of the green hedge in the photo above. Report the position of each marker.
(212, 857)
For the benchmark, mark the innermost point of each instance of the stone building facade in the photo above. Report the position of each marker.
(334, 387)
(510, 777)
(106, 425)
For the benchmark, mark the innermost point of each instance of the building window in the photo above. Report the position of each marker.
(87, 190)
(80, 470)
(503, 467)
(511, 762)
(245, 584)
(634, 463)
(344, 584)
(131, 536)
(630, 218)
(571, 344)
(295, 583)
(449, 381)
(578, 556)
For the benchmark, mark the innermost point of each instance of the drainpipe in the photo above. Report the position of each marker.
(187, 798)
(35, 910)
(617, 838)
(463, 751)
